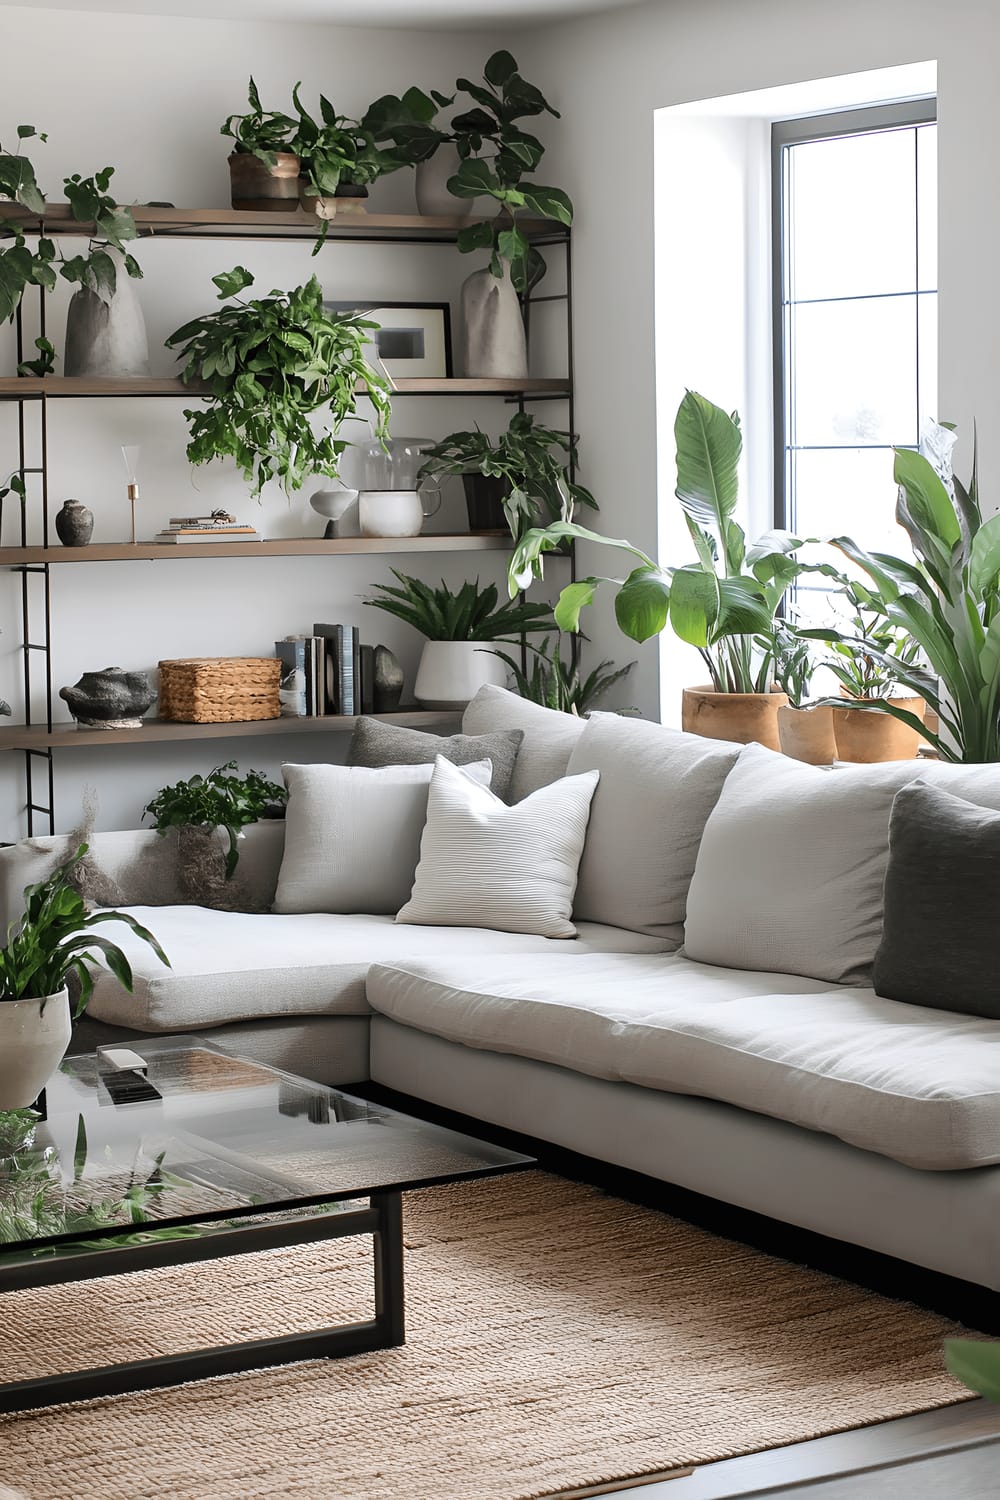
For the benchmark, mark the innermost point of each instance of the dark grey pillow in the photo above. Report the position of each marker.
(376, 744)
(942, 896)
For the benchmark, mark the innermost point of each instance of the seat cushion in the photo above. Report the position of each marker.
(921, 1086)
(227, 966)
(549, 736)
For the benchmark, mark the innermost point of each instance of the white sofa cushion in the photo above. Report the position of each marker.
(227, 966)
(484, 864)
(352, 835)
(549, 736)
(921, 1086)
(656, 791)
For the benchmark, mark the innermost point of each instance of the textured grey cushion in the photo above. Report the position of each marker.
(376, 744)
(549, 736)
(941, 899)
(656, 791)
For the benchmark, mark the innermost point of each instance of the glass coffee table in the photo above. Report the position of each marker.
(180, 1152)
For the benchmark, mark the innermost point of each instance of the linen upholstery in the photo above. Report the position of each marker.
(656, 791)
(549, 736)
(921, 1086)
(374, 744)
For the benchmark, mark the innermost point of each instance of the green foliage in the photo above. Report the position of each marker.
(337, 149)
(725, 603)
(21, 267)
(54, 939)
(866, 675)
(261, 133)
(473, 614)
(534, 460)
(218, 800)
(91, 203)
(269, 362)
(44, 364)
(976, 1363)
(559, 684)
(792, 664)
(408, 122)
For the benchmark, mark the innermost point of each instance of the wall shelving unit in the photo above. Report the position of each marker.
(38, 739)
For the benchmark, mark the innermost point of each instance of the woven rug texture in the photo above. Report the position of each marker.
(556, 1338)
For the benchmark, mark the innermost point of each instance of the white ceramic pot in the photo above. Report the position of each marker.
(107, 337)
(493, 343)
(392, 512)
(430, 186)
(452, 672)
(34, 1035)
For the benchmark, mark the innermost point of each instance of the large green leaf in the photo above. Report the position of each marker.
(925, 509)
(984, 558)
(708, 452)
(694, 605)
(574, 597)
(642, 603)
(743, 609)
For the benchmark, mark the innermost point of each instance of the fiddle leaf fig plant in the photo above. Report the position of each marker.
(269, 363)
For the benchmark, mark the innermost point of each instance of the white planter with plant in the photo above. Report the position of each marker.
(460, 630)
(52, 941)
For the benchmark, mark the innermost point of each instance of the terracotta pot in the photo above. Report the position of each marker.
(867, 736)
(744, 717)
(34, 1035)
(807, 734)
(255, 185)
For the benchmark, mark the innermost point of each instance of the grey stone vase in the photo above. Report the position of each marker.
(493, 343)
(388, 678)
(107, 337)
(109, 699)
(74, 524)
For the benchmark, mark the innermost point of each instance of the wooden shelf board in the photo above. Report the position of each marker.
(158, 731)
(299, 546)
(17, 387)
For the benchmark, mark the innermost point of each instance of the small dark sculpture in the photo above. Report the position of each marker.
(109, 699)
(388, 681)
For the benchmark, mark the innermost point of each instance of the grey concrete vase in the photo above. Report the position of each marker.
(109, 699)
(74, 524)
(107, 337)
(388, 681)
(493, 344)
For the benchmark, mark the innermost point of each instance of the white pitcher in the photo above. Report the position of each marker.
(394, 512)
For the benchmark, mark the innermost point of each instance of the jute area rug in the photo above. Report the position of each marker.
(557, 1338)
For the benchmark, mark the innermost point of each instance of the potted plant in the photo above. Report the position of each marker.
(805, 730)
(52, 942)
(724, 604)
(556, 683)
(455, 664)
(269, 362)
(263, 165)
(435, 152)
(521, 480)
(338, 159)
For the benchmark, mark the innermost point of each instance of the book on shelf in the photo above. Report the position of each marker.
(292, 682)
(197, 530)
(343, 667)
(366, 676)
(211, 534)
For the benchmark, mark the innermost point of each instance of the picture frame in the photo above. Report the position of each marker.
(413, 339)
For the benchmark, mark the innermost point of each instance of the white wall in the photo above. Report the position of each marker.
(610, 74)
(148, 94)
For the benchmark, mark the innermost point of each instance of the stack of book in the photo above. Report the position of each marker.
(205, 529)
(328, 672)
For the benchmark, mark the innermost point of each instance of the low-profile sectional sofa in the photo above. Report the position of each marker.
(713, 1024)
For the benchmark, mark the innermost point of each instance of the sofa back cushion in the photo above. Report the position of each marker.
(792, 863)
(656, 791)
(548, 741)
(375, 744)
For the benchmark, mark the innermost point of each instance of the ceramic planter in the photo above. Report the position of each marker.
(34, 1035)
(807, 734)
(484, 498)
(430, 186)
(107, 338)
(452, 672)
(743, 717)
(255, 185)
(493, 344)
(867, 736)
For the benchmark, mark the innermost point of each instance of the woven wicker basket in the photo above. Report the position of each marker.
(220, 689)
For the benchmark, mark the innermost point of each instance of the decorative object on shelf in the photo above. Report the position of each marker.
(220, 525)
(293, 357)
(340, 507)
(430, 185)
(455, 664)
(411, 339)
(493, 344)
(435, 153)
(109, 699)
(106, 331)
(521, 480)
(130, 458)
(339, 158)
(74, 523)
(559, 684)
(390, 501)
(264, 173)
(393, 512)
(46, 950)
(393, 464)
(388, 680)
(219, 689)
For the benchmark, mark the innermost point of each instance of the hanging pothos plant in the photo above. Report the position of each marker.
(269, 363)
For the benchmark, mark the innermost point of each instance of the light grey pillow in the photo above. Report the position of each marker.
(656, 791)
(376, 744)
(352, 836)
(484, 864)
(549, 736)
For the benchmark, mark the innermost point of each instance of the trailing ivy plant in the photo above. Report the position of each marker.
(218, 800)
(556, 683)
(269, 362)
(473, 614)
(259, 132)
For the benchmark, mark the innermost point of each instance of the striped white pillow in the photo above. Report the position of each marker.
(484, 864)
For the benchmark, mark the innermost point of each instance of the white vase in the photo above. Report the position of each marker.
(34, 1035)
(107, 337)
(393, 512)
(430, 185)
(452, 672)
(493, 344)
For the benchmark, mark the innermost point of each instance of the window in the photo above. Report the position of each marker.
(855, 313)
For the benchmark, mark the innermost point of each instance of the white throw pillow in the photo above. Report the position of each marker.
(352, 835)
(549, 736)
(656, 791)
(484, 864)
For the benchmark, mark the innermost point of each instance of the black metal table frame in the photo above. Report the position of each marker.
(383, 1219)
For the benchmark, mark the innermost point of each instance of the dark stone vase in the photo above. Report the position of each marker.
(484, 497)
(74, 524)
(388, 678)
(109, 699)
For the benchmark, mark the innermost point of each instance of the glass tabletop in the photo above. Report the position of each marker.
(200, 1137)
